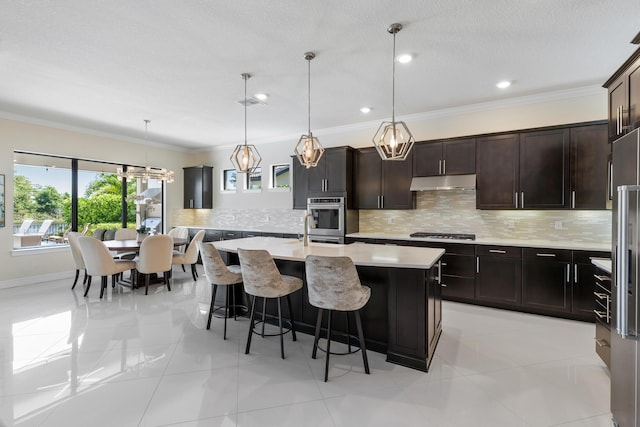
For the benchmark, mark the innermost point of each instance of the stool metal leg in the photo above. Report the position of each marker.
(326, 363)
(226, 313)
(213, 299)
(280, 323)
(363, 347)
(293, 326)
(251, 319)
(264, 310)
(235, 307)
(346, 313)
(317, 336)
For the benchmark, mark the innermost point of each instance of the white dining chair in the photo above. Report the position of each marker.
(155, 257)
(99, 262)
(190, 256)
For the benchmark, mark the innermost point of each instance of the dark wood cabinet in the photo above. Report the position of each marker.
(546, 280)
(198, 187)
(498, 275)
(333, 176)
(544, 169)
(498, 171)
(449, 157)
(383, 184)
(584, 283)
(589, 167)
(624, 97)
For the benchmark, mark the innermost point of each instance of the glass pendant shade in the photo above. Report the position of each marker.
(393, 139)
(308, 150)
(145, 173)
(245, 157)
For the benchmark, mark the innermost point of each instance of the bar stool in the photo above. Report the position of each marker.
(262, 279)
(334, 285)
(218, 273)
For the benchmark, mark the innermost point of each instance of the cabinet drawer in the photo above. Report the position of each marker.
(458, 287)
(458, 265)
(251, 234)
(603, 343)
(602, 280)
(230, 235)
(212, 235)
(499, 251)
(541, 254)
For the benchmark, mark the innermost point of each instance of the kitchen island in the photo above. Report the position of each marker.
(403, 318)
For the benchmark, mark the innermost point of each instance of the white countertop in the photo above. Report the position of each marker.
(602, 263)
(529, 243)
(363, 254)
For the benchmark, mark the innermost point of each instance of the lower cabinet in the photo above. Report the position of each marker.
(498, 275)
(546, 280)
(584, 283)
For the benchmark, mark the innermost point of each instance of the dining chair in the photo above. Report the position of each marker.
(333, 284)
(99, 262)
(76, 252)
(155, 257)
(179, 233)
(262, 279)
(219, 274)
(190, 256)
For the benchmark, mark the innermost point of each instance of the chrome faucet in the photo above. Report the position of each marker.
(305, 236)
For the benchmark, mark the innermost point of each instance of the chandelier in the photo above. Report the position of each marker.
(308, 149)
(393, 140)
(145, 173)
(245, 158)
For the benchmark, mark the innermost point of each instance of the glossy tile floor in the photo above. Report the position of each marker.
(136, 360)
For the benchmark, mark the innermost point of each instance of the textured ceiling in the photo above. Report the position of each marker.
(107, 65)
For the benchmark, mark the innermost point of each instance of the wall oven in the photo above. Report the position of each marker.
(331, 220)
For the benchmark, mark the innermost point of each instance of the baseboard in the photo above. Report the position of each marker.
(32, 280)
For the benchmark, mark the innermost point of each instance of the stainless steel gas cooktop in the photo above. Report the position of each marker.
(449, 236)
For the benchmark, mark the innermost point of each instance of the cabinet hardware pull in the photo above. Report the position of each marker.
(600, 314)
(568, 273)
(444, 167)
(477, 264)
(497, 251)
(601, 343)
(439, 167)
(610, 177)
(543, 254)
(602, 278)
(443, 285)
(443, 264)
(575, 273)
(191, 203)
(601, 295)
(522, 200)
(573, 199)
(382, 201)
(515, 196)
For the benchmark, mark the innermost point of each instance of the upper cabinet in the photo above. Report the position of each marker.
(333, 176)
(383, 184)
(198, 187)
(450, 157)
(624, 98)
(559, 168)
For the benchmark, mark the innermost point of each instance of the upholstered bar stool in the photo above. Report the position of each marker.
(334, 285)
(219, 274)
(262, 279)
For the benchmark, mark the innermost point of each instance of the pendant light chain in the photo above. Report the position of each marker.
(245, 77)
(393, 81)
(309, 91)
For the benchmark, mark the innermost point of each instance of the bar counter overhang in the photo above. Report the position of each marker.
(403, 318)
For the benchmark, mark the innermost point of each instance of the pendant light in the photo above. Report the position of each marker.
(145, 173)
(393, 140)
(308, 149)
(245, 158)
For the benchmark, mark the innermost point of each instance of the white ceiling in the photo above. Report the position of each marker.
(107, 65)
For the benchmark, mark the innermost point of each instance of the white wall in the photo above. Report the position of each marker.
(534, 111)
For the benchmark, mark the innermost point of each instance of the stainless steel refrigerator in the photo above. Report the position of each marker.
(625, 350)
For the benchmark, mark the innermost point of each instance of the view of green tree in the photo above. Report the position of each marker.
(108, 184)
(48, 202)
(23, 204)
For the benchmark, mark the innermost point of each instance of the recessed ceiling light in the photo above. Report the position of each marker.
(503, 84)
(404, 58)
(365, 110)
(261, 96)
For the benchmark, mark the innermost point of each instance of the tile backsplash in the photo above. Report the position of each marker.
(439, 211)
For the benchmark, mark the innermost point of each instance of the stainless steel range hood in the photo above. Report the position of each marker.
(445, 182)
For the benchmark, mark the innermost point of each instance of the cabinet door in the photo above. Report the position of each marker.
(497, 171)
(368, 179)
(589, 154)
(338, 170)
(300, 178)
(633, 89)
(544, 169)
(396, 181)
(316, 176)
(498, 275)
(584, 283)
(192, 180)
(427, 159)
(618, 108)
(546, 280)
(459, 157)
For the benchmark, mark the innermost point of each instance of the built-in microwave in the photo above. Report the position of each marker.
(331, 220)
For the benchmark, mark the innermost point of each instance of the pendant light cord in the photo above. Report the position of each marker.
(146, 143)
(245, 77)
(393, 82)
(309, 92)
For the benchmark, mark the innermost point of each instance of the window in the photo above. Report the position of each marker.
(254, 180)
(47, 205)
(280, 176)
(229, 180)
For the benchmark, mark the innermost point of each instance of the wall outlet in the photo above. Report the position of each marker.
(268, 218)
(557, 225)
(390, 220)
(510, 224)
